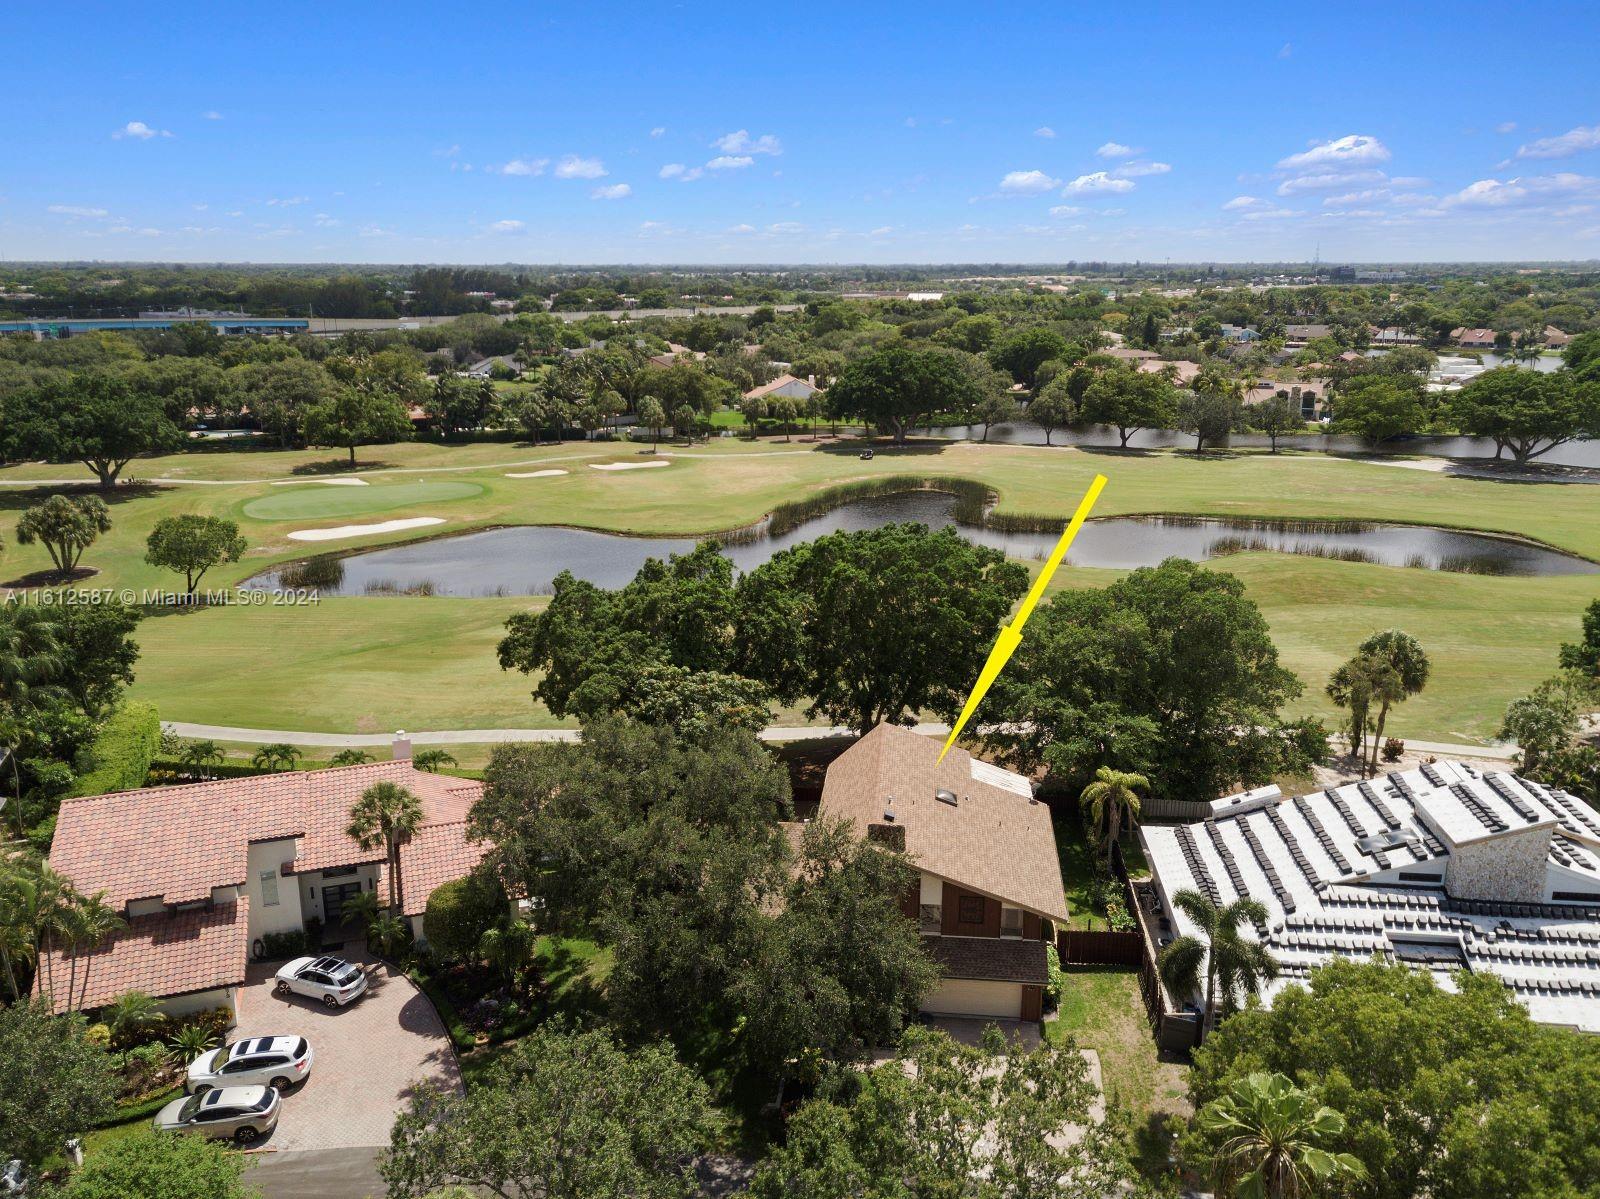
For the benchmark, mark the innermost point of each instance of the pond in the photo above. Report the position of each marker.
(525, 559)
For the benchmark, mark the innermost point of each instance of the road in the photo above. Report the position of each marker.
(224, 732)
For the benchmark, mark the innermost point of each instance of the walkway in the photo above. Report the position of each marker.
(776, 732)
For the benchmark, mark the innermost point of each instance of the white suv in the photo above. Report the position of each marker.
(333, 980)
(277, 1062)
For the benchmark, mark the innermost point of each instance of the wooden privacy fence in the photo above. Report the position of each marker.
(1099, 949)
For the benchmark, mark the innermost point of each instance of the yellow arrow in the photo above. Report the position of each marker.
(1011, 635)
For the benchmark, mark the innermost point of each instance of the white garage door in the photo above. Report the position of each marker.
(974, 997)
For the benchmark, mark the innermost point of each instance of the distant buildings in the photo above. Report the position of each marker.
(227, 323)
(1297, 337)
(1239, 334)
(1473, 339)
(1393, 335)
(784, 385)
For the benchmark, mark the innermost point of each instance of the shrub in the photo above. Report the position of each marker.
(1393, 749)
(460, 912)
(289, 944)
(98, 1034)
(119, 757)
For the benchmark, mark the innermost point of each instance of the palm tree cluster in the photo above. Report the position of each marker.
(1112, 802)
(1387, 668)
(40, 912)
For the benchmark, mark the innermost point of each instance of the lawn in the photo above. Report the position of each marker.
(1101, 1009)
(373, 664)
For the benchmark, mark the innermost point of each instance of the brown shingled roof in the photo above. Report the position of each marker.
(993, 840)
(179, 842)
(1000, 959)
(162, 955)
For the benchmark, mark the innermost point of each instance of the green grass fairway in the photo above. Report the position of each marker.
(318, 501)
(373, 664)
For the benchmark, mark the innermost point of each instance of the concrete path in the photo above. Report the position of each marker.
(777, 732)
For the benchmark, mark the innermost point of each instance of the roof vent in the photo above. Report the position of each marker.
(944, 796)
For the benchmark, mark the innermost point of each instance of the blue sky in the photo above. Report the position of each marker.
(801, 133)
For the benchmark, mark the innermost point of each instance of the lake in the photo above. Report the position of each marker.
(523, 560)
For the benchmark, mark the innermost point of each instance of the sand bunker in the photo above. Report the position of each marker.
(534, 474)
(626, 465)
(324, 482)
(382, 526)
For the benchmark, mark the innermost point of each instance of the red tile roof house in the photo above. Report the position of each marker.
(202, 871)
(990, 892)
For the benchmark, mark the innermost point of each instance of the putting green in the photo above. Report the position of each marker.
(320, 503)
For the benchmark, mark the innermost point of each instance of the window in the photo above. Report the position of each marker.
(970, 909)
(1011, 922)
(269, 888)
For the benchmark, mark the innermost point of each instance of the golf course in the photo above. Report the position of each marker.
(373, 663)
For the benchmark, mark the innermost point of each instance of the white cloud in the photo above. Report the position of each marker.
(1366, 196)
(1352, 149)
(1329, 180)
(612, 191)
(1044, 131)
(523, 166)
(1065, 210)
(1408, 181)
(1584, 137)
(211, 115)
(742, 229)
(1028, 182)
(1496, 193)
(658, 131)
(1286, 49)
(507, 226)
(1270, 213)
(1116, 150)
(574, 167)
(1506, 127)
(323, 221)
(200, 207)
(881, 231)
(740, 142)
(374, 231)
(786, 227)
(1240, 203)
(730, 162)
(76, 210)
(1099, 181)
(1137, 170)
(140, 131)
(287, 201)
(672, 170)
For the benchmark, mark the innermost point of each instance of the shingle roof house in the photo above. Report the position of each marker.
(202, 871)
(991, 880)
(1446, 867)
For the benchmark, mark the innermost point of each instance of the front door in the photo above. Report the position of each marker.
(334, 898)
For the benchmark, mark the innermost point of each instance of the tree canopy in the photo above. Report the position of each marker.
(1527, 412)
(99, 417)
(1169, 672)
(896, 388)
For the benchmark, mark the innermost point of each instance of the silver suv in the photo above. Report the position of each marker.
(333, 980)
(277, 1062)
(243, 1113)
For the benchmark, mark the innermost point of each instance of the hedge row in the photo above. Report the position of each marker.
(164, 770)
(119, 757)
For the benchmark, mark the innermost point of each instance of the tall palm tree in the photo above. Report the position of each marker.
(95, 921)
(1401, 670)
(18, 946)
(30, 652)
(1111, 798)
(388, 815)
(1276, 1140)
(1235, 962)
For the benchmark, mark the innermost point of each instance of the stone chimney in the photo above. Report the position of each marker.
(401, 747)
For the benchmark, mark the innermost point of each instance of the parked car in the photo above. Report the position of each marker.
(866, 455)
(277, 1062)
(243, 1113)
(333, 980)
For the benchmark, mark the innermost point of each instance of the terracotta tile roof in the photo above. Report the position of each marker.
(1002, 959)
(995, 839)
(778, 384)
(162, 955)
(438, 854)
(179, 842)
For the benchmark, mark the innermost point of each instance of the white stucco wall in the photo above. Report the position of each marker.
(285, 915)
(199, 1001)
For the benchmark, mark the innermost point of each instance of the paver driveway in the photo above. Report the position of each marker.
(369, 1057)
